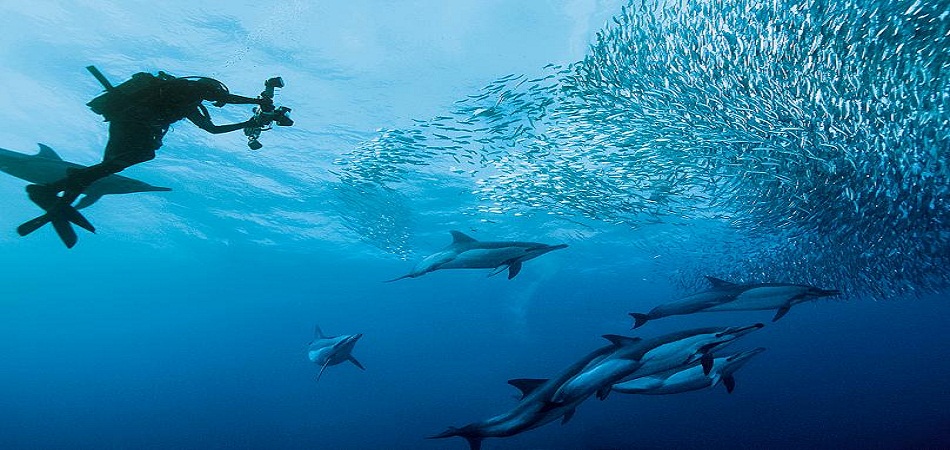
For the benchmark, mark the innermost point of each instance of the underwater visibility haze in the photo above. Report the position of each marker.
(472, 197)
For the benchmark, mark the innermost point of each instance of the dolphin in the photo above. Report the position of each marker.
(47, 167)
(332, 350)
(726, 296)
(466, 252)
(691, 378)
(636, 357)
(532, 411)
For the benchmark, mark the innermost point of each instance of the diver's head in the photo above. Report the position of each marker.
(211, 90)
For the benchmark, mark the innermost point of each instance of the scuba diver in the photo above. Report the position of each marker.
(139, 112)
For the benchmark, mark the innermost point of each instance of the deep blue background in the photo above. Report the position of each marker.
(209, 353)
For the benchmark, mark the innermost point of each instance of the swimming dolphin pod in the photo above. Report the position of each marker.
(328, 351)
(727, 296)
(466, 252)
(545, 400)
(532, 411)
(690, 378)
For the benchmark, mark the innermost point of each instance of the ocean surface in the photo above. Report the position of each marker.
(764, 141)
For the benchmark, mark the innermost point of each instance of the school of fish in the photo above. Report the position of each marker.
(816, 131)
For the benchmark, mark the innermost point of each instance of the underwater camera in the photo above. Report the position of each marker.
(266, 114)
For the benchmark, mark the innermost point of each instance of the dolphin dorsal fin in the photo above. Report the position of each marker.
(48, 153)
(620, 341)
(459, 237)
(527, 385)
(719, 283)
(318, 333)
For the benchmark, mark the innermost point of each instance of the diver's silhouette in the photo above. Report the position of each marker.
(139, 112)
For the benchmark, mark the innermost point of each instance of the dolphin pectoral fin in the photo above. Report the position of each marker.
(729, 382)
(603, 392)
(639, 319)
(781, 312)
(318, 333)
(322, 369)
(87, 200)
(513, 269)
(527, 385)
(357, 363)
(568, 416)
(707, 363)
(497, 270)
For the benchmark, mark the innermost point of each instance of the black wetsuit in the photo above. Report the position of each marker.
(136, 132)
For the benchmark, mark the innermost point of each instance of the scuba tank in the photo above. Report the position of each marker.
(135, 98)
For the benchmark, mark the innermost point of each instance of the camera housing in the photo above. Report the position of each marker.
(266, 114)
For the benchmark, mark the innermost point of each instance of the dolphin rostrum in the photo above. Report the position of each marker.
(332, 350)
(47, 167)
(691, 378)
(466, 252)
(726, 296)
(635, 357)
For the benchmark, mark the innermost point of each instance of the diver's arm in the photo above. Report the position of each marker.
(232, 99)
(200, 118)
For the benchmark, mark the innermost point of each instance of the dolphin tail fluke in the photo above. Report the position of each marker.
(781, 312)
(356, 363)
(639, 319)
(729, 382)
(474, 441)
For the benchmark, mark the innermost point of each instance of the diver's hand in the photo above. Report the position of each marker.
(253, 122)
(267, 103)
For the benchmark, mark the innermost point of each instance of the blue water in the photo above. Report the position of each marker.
(183, 322)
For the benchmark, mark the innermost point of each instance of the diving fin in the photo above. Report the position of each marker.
(61, 215)
(62, 220)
